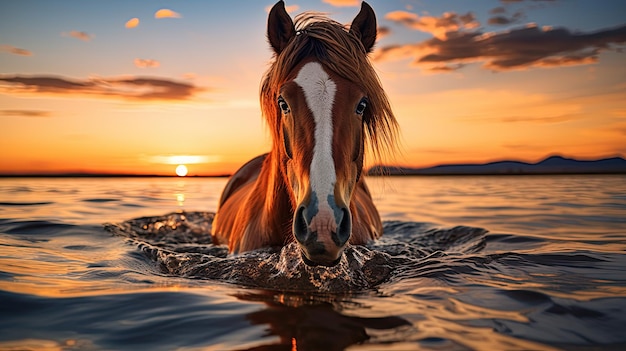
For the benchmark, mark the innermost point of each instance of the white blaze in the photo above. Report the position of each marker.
(319, 91)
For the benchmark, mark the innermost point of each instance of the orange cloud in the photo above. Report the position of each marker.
(132, 23)
(166, 13)
(382, 32)
(184, 159)
(437, 26)
(128, 88)
(146, 63)
(343, 3)
(445, 68)
(84, 36)
(25, 113)
(292, 8)
(520, 48)
(16, 51)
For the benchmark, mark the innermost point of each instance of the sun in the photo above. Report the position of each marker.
(181, 170)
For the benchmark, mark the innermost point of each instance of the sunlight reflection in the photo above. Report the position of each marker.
(180, 199)
(180, 193)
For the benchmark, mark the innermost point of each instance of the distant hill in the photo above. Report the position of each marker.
(551, 165)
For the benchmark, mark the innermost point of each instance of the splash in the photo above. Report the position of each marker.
(181, 245)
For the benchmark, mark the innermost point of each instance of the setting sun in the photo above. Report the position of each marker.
(181, 170)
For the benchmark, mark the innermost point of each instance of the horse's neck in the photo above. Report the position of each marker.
(277, 209)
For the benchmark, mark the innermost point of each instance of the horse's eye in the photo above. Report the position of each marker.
(360, 108)
(283, 105)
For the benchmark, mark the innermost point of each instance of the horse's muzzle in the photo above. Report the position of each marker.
(323, 235)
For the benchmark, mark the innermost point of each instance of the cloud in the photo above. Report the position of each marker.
(84, 36)
(521, 48)
(132, 23)
(343, 3)
(382, 32)
(437, 26)
(127, 88)
(504, 20)
(291, 8)
(146, 63)
(16, 51)
(501, 19)
(166, 13)
(25, 113)
(183, 159)
(445, 68)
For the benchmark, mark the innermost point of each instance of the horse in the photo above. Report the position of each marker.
(323, 103)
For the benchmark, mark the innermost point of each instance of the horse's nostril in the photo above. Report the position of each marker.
(300, 226)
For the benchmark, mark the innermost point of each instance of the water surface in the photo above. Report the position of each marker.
(466, 263)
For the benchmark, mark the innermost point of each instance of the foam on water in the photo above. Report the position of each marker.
(180, 244)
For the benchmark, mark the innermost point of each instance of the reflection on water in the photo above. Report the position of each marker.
(559, 207)
(180, 199)
(302, 323)
(99, 200)
(180, 194)
(548, 274)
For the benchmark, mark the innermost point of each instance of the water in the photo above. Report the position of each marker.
(465, 263)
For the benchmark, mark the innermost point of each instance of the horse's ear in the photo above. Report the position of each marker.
(364, 26)
(280, 27)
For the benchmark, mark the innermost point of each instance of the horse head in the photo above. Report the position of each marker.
(322, 100)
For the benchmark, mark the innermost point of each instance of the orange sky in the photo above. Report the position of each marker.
(125, 87)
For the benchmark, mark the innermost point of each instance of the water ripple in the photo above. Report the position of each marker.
(180, 244)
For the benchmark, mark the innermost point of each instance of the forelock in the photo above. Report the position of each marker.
(340, 51)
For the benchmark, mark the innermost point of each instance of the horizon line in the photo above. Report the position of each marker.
(105, 175)
(95, 174)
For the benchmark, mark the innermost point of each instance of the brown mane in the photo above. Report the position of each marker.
(340, 51)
